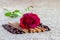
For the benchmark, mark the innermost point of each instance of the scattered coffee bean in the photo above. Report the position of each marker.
(44, 26)
(12, 29)
(47, 28)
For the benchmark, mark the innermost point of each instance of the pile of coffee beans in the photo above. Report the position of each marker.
(44, 26)
(12, 30)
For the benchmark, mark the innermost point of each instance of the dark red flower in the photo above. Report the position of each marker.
(29, 20)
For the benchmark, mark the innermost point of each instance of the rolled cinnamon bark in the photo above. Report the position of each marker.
(37, 29)
(25, 30)
(16, 25)
(32, 30)
(42, 29)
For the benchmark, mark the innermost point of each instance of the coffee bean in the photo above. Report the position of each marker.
(47, 28)
(12, 30)
(44, 26)
(40, 25)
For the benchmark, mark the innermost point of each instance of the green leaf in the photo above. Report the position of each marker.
(7, 13)
(13, 14)
(29, 8)
(17, 12)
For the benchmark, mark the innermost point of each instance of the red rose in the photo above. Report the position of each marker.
(29, 20)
